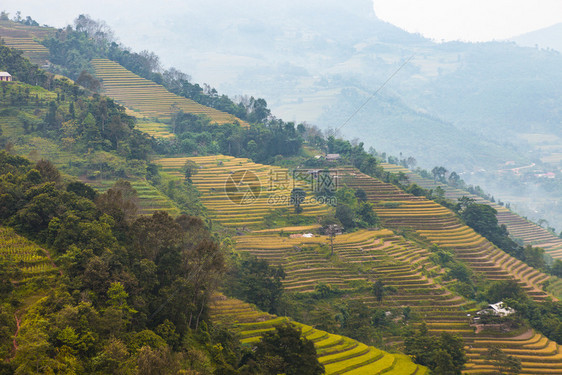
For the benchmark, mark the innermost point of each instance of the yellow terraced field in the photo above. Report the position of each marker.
(338, 354)
(440, 226)
(148, 98)
(518, 227)
(26, 39)
(155, 129)
(397, 263)
(240, 193)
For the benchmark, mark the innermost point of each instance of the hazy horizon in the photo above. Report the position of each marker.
(434, 19)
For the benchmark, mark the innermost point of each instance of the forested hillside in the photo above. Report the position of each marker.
(179, 244)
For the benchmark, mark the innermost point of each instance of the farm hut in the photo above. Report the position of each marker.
(333, 157)
(5, 77)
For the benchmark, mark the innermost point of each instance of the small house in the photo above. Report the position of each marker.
(333, 157)
(5, 77)
(497, 309)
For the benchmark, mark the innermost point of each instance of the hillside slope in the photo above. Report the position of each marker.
(147, 97)
(519, 228)
(240, 193)
(26, 38)
(366, 256)
(439, 225)
(32, 272)
(319, 61)
(338, 354)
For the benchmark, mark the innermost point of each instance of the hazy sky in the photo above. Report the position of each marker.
(469, 20)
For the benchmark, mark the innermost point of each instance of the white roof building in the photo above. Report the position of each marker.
(333, 157)
(498, 309)
(5, 76)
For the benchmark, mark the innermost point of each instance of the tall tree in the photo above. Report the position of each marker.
(285, 351)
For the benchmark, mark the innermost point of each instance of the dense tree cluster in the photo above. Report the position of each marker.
(133, 287)
(261, 142)
(72, 48)
(444, 355)
(545, 317)
(91, 126)
(255, 281)
(284, 351)
(21, 69)
(482, 218)
(353, 210)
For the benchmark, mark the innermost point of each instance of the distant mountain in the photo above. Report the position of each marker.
(549, 37)
(468, 106)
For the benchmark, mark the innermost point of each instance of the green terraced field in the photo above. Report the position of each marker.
(30, 258)
(150, 199)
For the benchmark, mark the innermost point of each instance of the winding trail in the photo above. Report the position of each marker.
(18, 322)
(52, 261)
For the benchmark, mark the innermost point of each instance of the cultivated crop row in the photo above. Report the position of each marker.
(147, 97)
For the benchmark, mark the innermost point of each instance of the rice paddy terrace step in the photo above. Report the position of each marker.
(26, 38)
(30, 259)
(485, 258)
(338, 354)
(538, 355)
(443, 228)
(258, 186)
(149, 98)
(517, 226)
(442, 310)
(413, 288)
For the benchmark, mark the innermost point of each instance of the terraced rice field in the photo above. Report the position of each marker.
(485, 258)
(150, 199)
(538, 354)
(405, 266)
(155, 129)
(338, 354)
(388, 257)
(531, 234)
(518, 227)
(260, 189)
(30, 258)
(148, 98)
(35, 52)
(440, 226)
(25, 38)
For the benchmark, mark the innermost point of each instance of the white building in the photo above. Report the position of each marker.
(5, 76)
(497, 309)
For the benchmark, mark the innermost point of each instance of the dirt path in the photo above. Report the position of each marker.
(51, 260)
(18, 322)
